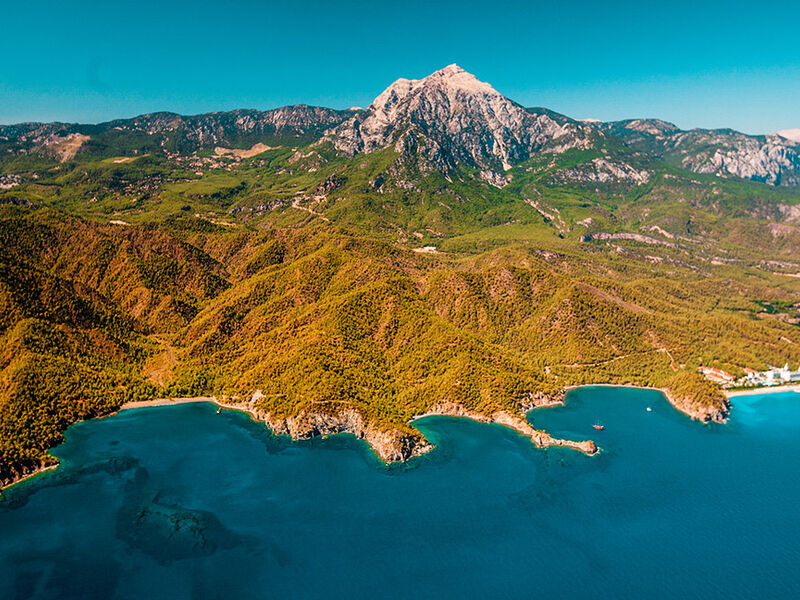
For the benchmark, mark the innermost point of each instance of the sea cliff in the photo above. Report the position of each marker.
(396, 444)
(702, 411)
(390, 444)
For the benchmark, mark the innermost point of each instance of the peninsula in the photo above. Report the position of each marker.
(389, 445)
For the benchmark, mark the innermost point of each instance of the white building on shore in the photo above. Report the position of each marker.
(770, 377)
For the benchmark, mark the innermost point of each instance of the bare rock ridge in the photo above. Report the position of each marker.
(772, 159)
(216, 128)
(438, 123)
(451, 117)
(170, 132)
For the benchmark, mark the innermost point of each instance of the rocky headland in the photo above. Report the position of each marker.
(701, 411)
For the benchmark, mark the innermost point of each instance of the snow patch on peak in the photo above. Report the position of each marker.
(793, 135)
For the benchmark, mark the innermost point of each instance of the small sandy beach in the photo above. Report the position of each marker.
(777, 389)
(166, 402)
(175, 401)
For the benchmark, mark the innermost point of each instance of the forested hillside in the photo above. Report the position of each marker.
(443, 248)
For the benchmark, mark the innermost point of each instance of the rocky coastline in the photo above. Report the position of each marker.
(518, 423)
(396, 445)
(698, 410)
(391, 444)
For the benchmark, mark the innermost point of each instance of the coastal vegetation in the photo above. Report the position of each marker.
(299, 279)
(317, 317)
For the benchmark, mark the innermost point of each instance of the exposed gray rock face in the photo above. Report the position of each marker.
(601, 170)
(451, 117)
(391, 445)
(222, 127)
(237, 128)
(9, 181)
(790, 213)
(651, 126)
(773, 159)
(635, 237)
(639, 132)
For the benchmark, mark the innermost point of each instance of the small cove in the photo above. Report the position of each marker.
(181, 502)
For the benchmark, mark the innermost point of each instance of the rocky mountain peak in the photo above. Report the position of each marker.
(451, 117)
(452, 81)
(450, 70)
(772, 159)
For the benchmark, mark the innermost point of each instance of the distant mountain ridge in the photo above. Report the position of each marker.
(446, 120)
(186, 134)
(772, 158)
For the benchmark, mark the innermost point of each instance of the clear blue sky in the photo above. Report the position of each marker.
(698, 63)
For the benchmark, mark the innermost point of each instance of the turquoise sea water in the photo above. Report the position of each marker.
(179, 502)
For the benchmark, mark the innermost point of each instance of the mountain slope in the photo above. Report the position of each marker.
(772, 159)
(170, 132)
(452, 118)
(444, 122)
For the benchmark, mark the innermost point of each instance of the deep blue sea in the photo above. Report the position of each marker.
(180, 502)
